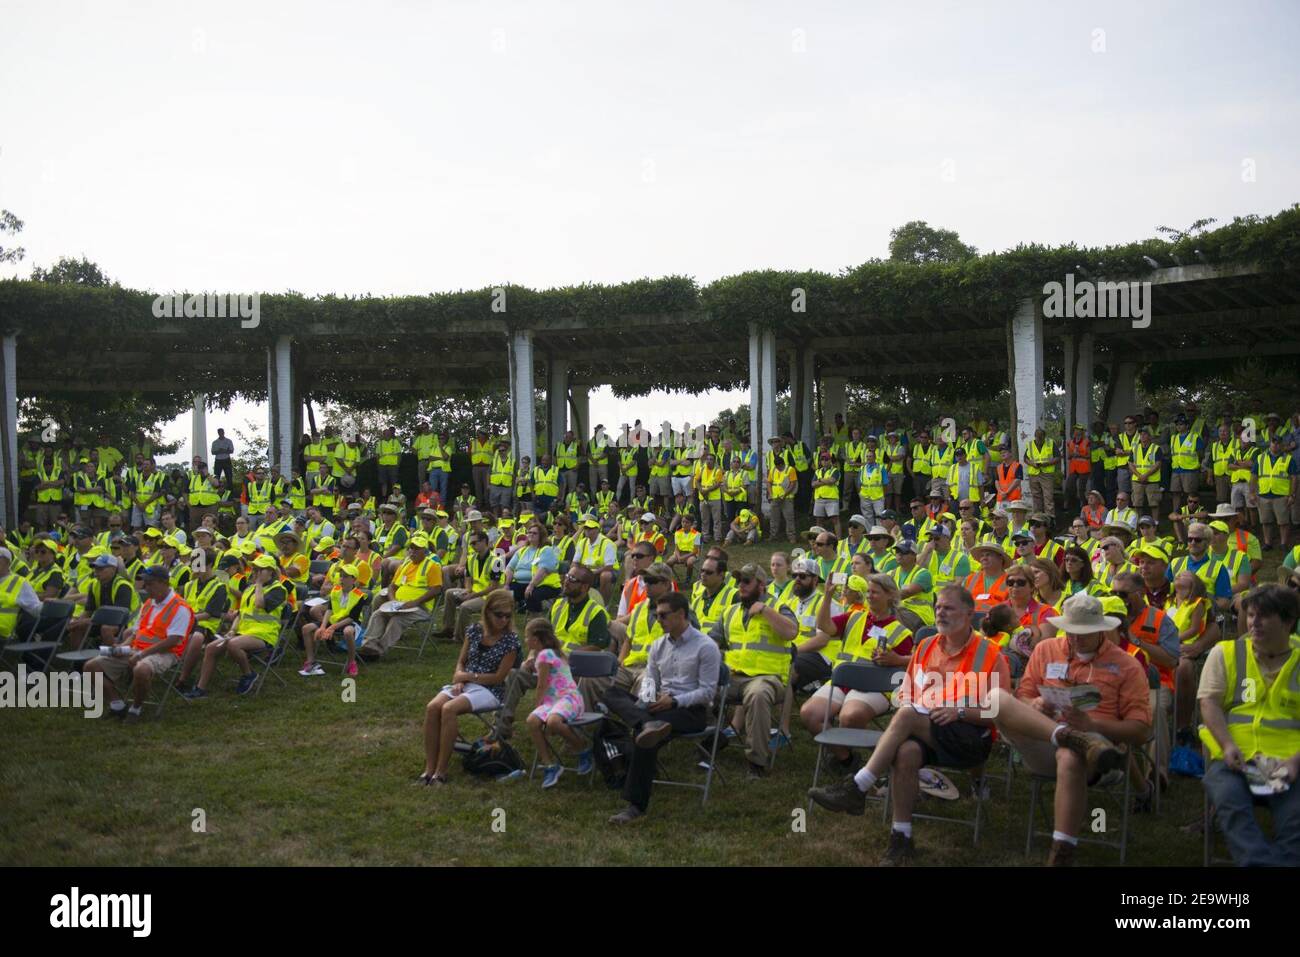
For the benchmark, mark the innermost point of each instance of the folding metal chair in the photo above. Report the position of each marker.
(856, 676)
(331, 653)
(52, 624)
(710, 733)
(110, 615)
(1136, 756)
(264, 662)
(583, 664)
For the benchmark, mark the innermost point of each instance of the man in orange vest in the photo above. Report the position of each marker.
(1078, 457)
(943, 719)
(1008, 475)
(151, 648)
(1153, 636)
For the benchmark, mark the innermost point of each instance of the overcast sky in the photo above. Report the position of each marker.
(412, 147)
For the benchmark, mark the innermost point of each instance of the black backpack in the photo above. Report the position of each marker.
(491, 759)
(611, 750)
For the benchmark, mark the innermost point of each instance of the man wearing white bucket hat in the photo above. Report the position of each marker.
(1076, 744)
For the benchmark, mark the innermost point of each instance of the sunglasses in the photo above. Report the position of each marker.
(746, 581)
(1017, 583)
(804, 575)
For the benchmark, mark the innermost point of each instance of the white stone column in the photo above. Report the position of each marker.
(581, 419)
(1123, 391)
(557, 400)
(280, 399)
(9, 430)
(834, 393)
(523, 427)
(758, 440)
(809, 432)
(1078, 381)
(199, 428)
(767, 393)
(1027, 371)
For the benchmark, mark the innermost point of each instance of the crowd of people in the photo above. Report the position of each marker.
(938, 554)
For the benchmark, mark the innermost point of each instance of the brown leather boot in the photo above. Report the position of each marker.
(1061, 854)
(1098, 754)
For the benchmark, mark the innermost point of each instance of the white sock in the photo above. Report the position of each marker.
(1057, 730)
(904, 828)
(1064, 838)
(864, 779)
(116, 706)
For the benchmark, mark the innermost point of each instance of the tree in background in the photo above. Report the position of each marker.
(122, 416)
(919, 242)
(9, 223)
(78, 271)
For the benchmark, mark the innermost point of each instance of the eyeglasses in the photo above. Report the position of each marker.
(1017, 582)
(804, 575)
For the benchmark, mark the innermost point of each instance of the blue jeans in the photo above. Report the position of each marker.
(438, 482)
(1235, 809)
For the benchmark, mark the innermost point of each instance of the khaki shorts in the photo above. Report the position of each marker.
(896, 482)
(661, 485)
(1274, 511)
(1146, 494)
(117, 669)
(874, 700)
(1185, 483)
(825, 508)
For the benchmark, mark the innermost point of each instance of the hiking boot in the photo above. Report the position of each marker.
(900, 851)
(1061, 854)
(1099, 755)
(627, 815)
(843, 795)
(653, 733)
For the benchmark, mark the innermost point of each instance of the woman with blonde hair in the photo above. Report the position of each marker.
(490, 650)
(1048, 586)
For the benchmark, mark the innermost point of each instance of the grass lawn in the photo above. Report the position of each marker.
(298, 776)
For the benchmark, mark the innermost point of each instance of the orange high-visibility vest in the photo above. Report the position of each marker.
(154, 621)
(1008, 485)
(1147, 628)
(1080, 456)
(986, 596)
(1095, 516)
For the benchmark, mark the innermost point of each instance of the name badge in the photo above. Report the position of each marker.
(876, 632)
(983, 597)
(1058, 670)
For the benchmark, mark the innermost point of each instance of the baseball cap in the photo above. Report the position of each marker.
(805, 566)
(750, 570)
(264, 561)
(649, 517)
(349, 570)
(473, 515)
(104, 561)
(858, 584)
(858, 520)
(158, 573)
(905, 547)
(657, 572)
(418, 541)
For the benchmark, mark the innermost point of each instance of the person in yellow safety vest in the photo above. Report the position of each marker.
(683, 470)
(1125, 442)
(872, 482)
(502, 479)
(604, 498)
(256, 629)
(757, 637)
(916, 587)
(147, 496)
(597, 553)
(323, 491)
(422, 445)
(710, 498)
(711, 595)
(261, 491)
(686, 546)
(942, 458)
(1241, 473)
(854, 452)
(86, 494)
(782, 482)
(1222, 453)
(566, 457)
(1040, 467)
(922, 469)
(735, 490)
(1275, 476)
(749, 462)
(1250, 705)
(523, 487)
(388, 458)
(745, 529)
(342, 618)
(480, 460)
(597, 454)
(415, 587)
(841, 435)
(826, 491)
(50, 475)
(546, 484)
(202, 496)
(628, 471)
(965, 477)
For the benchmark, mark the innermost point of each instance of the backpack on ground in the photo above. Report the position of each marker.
(491, 759)
(611, 750)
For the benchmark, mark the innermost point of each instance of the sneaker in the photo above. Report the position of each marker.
(311, 670)
(1061, 854)
(627, 815)
(900, 851)
(729, 733)
(245, 684)
(194, 694)
(777, 740)
(842, 796)
(351, 669)
(551, 775)
(584, 762)
(653, 733)
(1098, 754)
(755, 772)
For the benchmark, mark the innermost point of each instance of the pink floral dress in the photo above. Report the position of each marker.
(561, 695)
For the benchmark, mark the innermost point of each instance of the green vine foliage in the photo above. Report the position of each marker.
(986, 287)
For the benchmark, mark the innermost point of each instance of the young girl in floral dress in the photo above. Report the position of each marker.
(559, 700)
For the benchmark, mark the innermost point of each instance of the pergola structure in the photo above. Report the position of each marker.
(1198, 312)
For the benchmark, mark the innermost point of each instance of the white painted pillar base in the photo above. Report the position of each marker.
(1027, 371)
(9, 430)
(199, 428)
(280, 401)
(523, 426)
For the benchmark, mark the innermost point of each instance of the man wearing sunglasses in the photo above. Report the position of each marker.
(682, 670)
